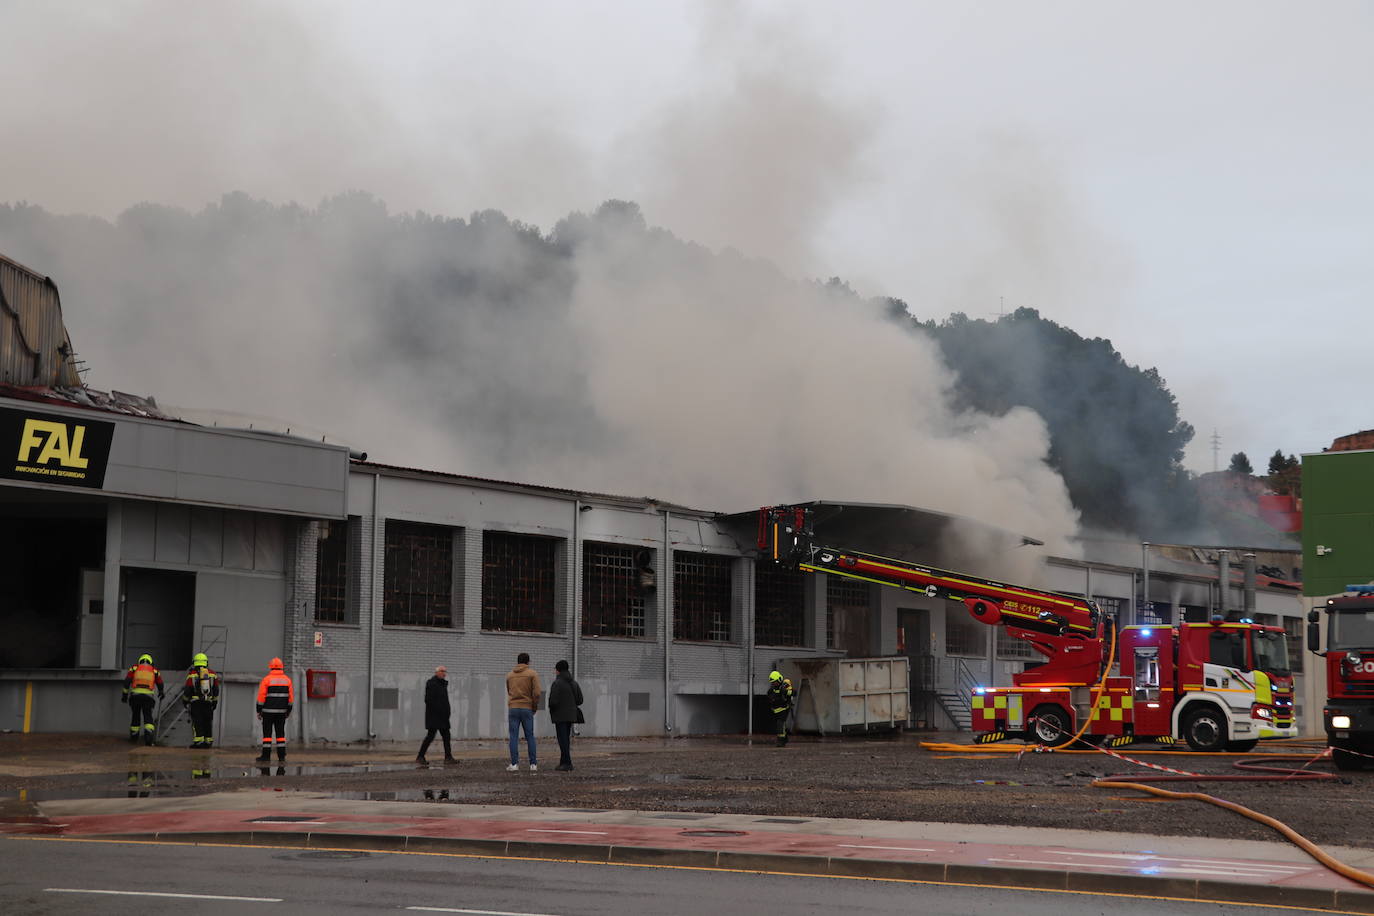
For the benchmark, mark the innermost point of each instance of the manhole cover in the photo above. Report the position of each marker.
(713, 833)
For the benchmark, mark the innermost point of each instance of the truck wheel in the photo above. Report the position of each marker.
(1345, 760)
(1242, 747)
(1051, 724)
(1205, 729)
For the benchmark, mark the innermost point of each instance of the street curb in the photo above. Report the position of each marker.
(1202, 890)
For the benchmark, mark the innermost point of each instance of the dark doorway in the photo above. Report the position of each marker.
(913, 641)
(43, 550)
(159, 614)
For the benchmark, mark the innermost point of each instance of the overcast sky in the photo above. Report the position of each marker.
(1192, 181)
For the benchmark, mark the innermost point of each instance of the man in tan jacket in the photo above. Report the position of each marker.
(522, 699)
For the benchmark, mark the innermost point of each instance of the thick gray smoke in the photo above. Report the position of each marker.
(599, 353)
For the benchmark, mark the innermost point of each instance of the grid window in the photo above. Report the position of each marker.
(331, 572)
(519, 584)
(846, 596)
(1010, 647)
(963, 634)
(701, 596)
(418, 577)
(614, 582)
(1293, 635)
(779, 606)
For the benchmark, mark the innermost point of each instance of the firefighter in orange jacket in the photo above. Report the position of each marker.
(139, 683)
(276, 696)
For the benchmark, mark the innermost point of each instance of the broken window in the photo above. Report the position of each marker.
(847, 602)
(779, 606)
(701, 596)
(418, 576)
(615, 583)
(519, 583)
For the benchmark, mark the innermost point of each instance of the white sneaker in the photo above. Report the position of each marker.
(534, 768)
(512, 768)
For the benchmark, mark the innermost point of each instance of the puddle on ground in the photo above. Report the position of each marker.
(157, 783)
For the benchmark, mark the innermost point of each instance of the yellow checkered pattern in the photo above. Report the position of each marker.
(1111, 707)
(989, 707)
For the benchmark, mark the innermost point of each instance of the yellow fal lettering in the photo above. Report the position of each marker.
(51, 439)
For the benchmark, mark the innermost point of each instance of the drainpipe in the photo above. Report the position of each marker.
(750, 592)
(1224, 579)
(1249, 580)
(577, 581)
(372, 609)
(1144, 579)
(665, 602)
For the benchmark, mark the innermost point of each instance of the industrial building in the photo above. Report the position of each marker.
(124, 530)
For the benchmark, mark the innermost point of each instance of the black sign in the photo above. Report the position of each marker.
(46, 448)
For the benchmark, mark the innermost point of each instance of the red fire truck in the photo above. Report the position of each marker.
(1349, 711)
(1223, 685)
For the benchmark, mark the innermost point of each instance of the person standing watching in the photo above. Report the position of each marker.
(139, 683)
(200, 696)
(276, 696)
(523, 691)
(565, 701)
(780, 702)
(436, 715)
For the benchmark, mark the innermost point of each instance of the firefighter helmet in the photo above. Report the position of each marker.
(145, 659)
(775, 675)
(275, 664)
(200, 660)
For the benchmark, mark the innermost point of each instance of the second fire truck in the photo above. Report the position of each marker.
(1223, 685)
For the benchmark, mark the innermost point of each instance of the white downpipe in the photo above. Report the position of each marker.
(666, 603)
(577, 584)
(372, 608)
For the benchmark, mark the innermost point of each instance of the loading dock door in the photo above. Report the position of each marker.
(159, 611)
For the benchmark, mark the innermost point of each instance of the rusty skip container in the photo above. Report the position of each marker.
(832, 696)
(34, 347)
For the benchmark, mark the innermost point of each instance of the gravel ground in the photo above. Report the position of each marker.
(880, 778)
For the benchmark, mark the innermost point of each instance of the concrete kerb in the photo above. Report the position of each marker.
(1356, 901)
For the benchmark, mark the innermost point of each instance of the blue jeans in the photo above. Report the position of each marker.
(517, 719)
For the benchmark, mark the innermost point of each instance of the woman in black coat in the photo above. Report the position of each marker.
(565, 700)
(436, 715)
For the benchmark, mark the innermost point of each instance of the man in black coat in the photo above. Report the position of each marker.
(436, 715)
(565, 700)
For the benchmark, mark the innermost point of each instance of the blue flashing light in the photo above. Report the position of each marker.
(1360, 589)
(1146, 632)
(979, 690)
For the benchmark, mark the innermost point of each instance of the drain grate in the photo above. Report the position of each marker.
(683, 817)
(713, 833)
(333, 854)
(780, 820)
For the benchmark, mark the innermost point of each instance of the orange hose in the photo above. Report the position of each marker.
(1302, 842)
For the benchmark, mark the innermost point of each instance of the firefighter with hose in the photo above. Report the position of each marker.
(200, 696)
(140, 681)
(780, 702)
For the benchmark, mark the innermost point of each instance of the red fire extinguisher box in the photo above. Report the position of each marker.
(319, 685)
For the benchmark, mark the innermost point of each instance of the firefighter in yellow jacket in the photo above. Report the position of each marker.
(780, 703)
(140, 682)
(200, 696)
(276, 696)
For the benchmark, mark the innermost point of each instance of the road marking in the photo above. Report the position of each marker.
(82, 890)
(902, 848)
(550, 830)
(444, 909)
(1259, 871)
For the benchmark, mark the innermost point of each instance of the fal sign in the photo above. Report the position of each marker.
(54, 449)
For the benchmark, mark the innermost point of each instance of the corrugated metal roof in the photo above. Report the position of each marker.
(81, 396)
(34, 346)
(585, 495)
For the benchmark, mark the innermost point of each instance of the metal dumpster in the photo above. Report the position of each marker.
(832, 696)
